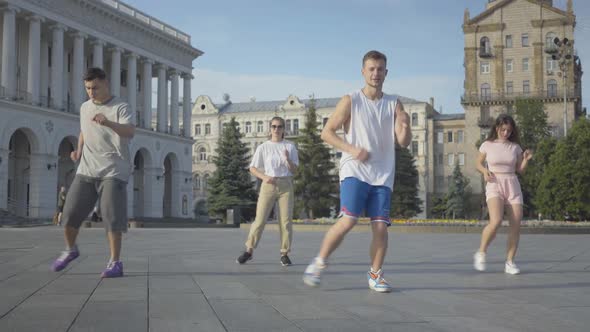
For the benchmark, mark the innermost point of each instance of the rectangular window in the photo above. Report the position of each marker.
(197, 129)
(414, 148)
(296, 127)
(49, 57)
(525, 40)
(439, 137)
(508, 41)
(287, 127)
(509, 88)
(207, 129)
(485, 67)
(525, 64)
(451, 159)
(461, 159)
(551, 64)
(440, 159)
(526, 87)
(460, 136)
(450, 137)
(509, 66)
(69, 62)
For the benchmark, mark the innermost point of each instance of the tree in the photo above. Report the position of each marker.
(315, 185)
(439, 207)
(564, 190)
(405, 202)
(531, 119)
(231, 185)
(456, 195)
(534, 172)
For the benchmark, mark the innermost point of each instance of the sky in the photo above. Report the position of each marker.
(270, 49)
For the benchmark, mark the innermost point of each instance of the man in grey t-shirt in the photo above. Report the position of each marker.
(106, 126)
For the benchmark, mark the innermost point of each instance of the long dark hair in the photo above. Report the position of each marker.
(504, 119)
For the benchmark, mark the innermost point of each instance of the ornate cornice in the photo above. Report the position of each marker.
(491, 27)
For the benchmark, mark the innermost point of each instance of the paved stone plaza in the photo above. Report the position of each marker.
(187, 280)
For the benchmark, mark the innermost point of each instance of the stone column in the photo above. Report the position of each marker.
(146, 79)
(115, 77)
(97, 47)
(57, 63)
(44, 72)
(78, 91)
(8, 79)
(186, 104)
(43, 190)
(162, 102)
(34, 60)
(174, 123)
(132, 83)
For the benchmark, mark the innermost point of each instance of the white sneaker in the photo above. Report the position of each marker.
(377, 282)
(479, 261)
(511, 268)
(311, 276)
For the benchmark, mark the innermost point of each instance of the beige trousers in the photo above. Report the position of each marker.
(282, 191)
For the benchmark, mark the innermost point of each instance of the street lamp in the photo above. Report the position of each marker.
(564, 56)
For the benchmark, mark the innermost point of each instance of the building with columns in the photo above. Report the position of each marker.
(508, 55)
(46, 47)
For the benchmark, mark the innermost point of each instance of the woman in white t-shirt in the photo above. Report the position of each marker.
(274, 162)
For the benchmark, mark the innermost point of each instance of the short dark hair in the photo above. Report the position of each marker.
(94, 73)
(374, 55)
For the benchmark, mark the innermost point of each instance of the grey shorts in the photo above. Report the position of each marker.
(82, 196)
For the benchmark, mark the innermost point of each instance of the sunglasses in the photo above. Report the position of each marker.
(276, 127)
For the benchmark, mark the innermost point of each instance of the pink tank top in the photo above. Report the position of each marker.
(501, 156)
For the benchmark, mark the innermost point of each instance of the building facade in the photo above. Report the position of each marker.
(254, 120)
(46, 47)
(508, 55)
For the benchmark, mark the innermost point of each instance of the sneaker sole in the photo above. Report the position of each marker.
(249, 259)
(380, 290)
(310, 283)
(283, 264)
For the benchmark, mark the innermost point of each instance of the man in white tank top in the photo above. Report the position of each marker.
(373, 123)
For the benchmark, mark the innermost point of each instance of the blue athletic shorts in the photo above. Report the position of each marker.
(357, 196)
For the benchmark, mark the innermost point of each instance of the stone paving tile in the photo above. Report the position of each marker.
(187, 280)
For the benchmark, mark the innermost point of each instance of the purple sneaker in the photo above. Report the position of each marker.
(66, 257)
(113, 270)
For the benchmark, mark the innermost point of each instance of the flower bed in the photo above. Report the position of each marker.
(450, 222)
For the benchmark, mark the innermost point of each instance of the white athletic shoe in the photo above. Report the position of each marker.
(511, 268)
(312, 274)
(377, 282)
(479, 261)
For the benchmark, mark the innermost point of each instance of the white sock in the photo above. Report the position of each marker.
(73, 248)
(320, 261)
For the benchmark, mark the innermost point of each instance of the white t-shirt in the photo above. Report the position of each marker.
(270, 156)
(105, 154)
(371, 128)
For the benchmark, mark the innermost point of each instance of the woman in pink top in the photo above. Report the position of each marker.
(504, 156)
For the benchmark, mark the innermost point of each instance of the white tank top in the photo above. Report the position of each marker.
(371, 128)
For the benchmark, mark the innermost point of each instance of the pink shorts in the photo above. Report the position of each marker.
(505, 187)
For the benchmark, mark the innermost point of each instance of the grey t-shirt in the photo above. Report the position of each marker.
(105, 154)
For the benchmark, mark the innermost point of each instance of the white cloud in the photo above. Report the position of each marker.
(445, 90)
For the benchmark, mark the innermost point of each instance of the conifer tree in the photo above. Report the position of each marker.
(231, 185)
(405, 202)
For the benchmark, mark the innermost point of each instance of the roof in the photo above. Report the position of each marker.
(452, 116)
(271, 106)
(503, 3)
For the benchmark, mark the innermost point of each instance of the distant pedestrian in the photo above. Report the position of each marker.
(61, 200)
(504, 156)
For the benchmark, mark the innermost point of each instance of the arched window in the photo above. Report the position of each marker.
(248, 127)
(486, 92)
(414, 119)
(202, 154)
(552, 88)
(549, 41)
(485, 48)
(197, 182)
(260, 126)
